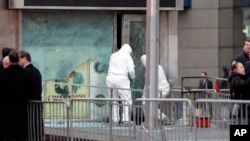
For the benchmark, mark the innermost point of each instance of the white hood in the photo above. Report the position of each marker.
(143, 60)
(126, 48)
(122, 63)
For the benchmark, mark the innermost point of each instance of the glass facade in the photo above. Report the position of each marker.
(72, 48)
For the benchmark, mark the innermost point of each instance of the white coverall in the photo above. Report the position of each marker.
(163, 85)
(121, 69)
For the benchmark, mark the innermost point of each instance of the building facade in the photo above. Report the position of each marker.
(210, 34)
(72, 43)
(204, 36)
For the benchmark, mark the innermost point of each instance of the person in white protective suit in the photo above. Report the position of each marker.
(163, 87)
(120, 73)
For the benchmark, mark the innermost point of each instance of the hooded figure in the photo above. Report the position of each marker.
(163, 87)
(120, 72)
(163, 84)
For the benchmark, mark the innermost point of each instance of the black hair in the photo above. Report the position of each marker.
(225, 70)
(246, 40)
(13, 56)
(204, 73)
(6, 51)
(25, 54)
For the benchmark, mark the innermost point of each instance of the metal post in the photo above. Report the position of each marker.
(69, 127)
(152, 52)
(161, 107)
(110, 116)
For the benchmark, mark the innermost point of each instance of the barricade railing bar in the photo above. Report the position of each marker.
(194, 94)
(216, 115)
(44, 114)
(74, 117)
(70, 94)
(105, 126)
(216, 82)
(202, 119)
(65, 120)
(167, 130)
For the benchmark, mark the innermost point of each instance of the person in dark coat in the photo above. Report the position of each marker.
(239, 87)
(244, 56)
(36, 129)
(205, 82)
(223, 83)
(5, 52)
(16, 91)
(25, 62)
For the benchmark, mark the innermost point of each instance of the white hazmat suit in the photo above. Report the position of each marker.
(163, 85)
(121, 70)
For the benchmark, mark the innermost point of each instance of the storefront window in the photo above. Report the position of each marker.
(69, 47)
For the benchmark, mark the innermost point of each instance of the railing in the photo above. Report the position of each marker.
(177, 117)
(217, 115)
(48, 120)
(65, 120)
(61, 120)
(165, 128)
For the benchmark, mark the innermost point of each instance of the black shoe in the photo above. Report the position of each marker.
(166, 121)
(128, 123)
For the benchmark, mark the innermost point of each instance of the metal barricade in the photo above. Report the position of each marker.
(91, 106)
(216, 126)
(94, 129)
(176, 110)
(223, 94)
(47, 122)
(193, 93)
(64, 120)
(161, 128)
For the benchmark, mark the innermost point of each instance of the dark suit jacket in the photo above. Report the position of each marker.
(36, 109)
(36, 81)
(15, 83)
(203, 86)
(1, 64)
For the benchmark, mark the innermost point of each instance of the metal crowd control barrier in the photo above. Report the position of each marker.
(217, 127)
(160, 129)
(64, 119)
(84, 128)
(216, 82)
(46, 122)
(60, 120)
(223, 94)
(193, 93)
(77, 117)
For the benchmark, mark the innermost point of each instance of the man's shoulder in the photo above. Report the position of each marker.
(239, 56)
(31, 67)
(33, 70)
